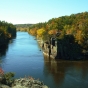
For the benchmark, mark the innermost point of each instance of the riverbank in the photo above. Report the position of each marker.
(28, 82)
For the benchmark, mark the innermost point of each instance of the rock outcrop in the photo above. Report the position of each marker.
(26, 83)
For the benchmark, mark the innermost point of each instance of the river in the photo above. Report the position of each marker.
(24, 58)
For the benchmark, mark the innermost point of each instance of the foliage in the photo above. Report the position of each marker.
(7, 31)
(40, 32)
(6, 78)
(75, 25)
(50, 32)
(1, 72)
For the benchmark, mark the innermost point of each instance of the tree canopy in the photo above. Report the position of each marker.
(75, 25)
(7, 31)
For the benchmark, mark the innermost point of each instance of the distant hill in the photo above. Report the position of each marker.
(22, 27)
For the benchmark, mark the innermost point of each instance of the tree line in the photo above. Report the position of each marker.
(22, 27)
(70, 31)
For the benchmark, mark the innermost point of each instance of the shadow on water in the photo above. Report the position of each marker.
(67, 74)
(4, 49)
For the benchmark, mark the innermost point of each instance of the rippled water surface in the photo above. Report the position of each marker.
(24, 58)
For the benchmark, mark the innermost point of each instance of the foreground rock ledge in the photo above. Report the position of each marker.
(26, 83)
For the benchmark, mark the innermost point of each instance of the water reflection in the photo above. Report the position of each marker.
(67, 73)
(55, 69)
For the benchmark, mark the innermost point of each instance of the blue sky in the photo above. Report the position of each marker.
(35, 11)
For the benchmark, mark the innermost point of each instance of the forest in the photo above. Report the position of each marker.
(22, 27)
(7, 32)
(71, 33)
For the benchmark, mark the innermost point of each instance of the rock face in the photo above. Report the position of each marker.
(26, 83)
(4, 86)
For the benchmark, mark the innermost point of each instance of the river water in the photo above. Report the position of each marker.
(24, 58)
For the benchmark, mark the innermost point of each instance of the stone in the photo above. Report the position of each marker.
(26, 83)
